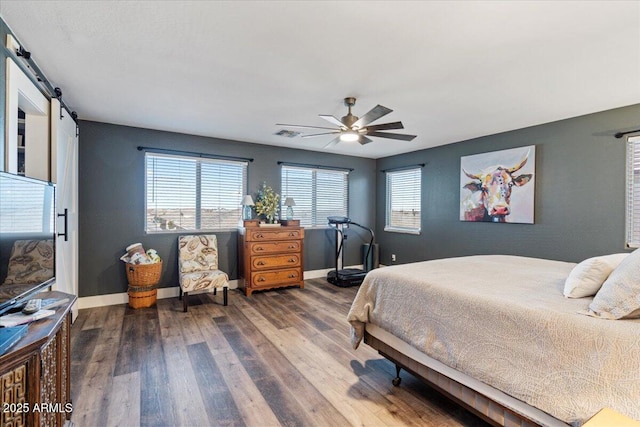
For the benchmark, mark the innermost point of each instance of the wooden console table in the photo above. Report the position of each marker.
(35, 374)
(270, 257)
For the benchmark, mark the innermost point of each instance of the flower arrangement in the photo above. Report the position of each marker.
(267, 203)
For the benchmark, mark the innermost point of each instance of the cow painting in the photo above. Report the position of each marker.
(488, 182)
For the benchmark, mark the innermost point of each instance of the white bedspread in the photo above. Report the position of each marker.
(504, 320)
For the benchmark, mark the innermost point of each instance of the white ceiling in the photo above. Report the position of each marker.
(450, 70)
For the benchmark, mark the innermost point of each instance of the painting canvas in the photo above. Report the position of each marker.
(498, 186)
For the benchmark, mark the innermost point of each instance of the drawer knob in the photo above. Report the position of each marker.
(292, 260)
(259, 248)
(292, 246)
(291, 276)
(261, 279)
(260, 262)
(292, 234)
(259, 236)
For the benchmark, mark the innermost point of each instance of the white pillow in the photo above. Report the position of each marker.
(587, 277)
(619, 296)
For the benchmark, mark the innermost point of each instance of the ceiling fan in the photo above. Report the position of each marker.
(353, 128)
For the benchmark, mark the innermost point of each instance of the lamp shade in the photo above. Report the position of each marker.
(289, 201)
(247, 200)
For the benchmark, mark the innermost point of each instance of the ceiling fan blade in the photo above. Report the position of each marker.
(304, 126)
(332, 119)
(374, 114)
(333, 142)
(392, 135)
(386, 126)
(318, 134)
(364, 140)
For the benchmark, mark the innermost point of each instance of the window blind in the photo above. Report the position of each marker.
(633, 192)
(404, 200)
(26, 207)
(188, 193)
(318, 193)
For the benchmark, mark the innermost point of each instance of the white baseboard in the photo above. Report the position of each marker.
(316, 274)
(123, 297)
(172, 292)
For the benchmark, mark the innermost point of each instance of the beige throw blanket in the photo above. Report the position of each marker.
(504, 320)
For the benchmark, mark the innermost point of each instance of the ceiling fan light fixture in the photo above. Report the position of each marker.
(349, 136)
(357, 129)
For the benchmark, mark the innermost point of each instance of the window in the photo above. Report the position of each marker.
(403, 201)
(318, 193)
(27, 206)
(633, 192)
(185, 193)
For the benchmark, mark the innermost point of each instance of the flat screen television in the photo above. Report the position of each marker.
(27, 238)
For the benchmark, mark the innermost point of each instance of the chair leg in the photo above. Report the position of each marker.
(225, 295)
(215, 290)
(184, 302)
(180, 294)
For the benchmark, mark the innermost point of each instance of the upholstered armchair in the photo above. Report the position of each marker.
(31, 262)
(198, 266)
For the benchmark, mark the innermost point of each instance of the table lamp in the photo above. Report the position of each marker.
(289, 203)
(247, 202)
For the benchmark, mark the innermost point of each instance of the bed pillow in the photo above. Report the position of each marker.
(619, 296)
(587, 277)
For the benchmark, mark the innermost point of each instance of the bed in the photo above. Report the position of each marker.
(496, 333)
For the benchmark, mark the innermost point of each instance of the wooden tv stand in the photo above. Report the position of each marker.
(35, 374)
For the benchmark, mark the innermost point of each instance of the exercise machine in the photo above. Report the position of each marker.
(347, 276)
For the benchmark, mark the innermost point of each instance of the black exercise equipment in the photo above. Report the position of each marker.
(347, 276)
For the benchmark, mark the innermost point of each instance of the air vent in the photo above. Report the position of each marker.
(287, 133)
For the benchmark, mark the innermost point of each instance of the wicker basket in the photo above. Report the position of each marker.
(143, 274)
(142, 298)
(143, 282)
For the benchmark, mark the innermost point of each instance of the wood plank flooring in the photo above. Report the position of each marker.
(276, 358)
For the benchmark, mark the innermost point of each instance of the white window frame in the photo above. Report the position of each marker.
(317, 219)
(199, 190)
(393, 178)
(632, 202)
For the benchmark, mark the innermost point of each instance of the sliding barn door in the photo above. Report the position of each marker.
(64, 172)
(31, 157)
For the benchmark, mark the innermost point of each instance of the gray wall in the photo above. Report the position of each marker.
(111, 201)
(579, 195)
(579, 201)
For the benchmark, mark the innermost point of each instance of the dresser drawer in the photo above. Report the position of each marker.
(280, 277)
(275, 261)
(258, 235)
(259, 248)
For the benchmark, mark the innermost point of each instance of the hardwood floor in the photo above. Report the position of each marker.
(280, 357)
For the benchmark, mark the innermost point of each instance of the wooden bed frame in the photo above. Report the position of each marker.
(488, 403)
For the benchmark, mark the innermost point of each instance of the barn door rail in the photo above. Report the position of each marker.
(29, 66)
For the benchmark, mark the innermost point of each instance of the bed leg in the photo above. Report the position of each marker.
(396, 381)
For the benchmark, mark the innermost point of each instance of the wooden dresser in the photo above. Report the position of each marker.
(270, 257)
(35, 374)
